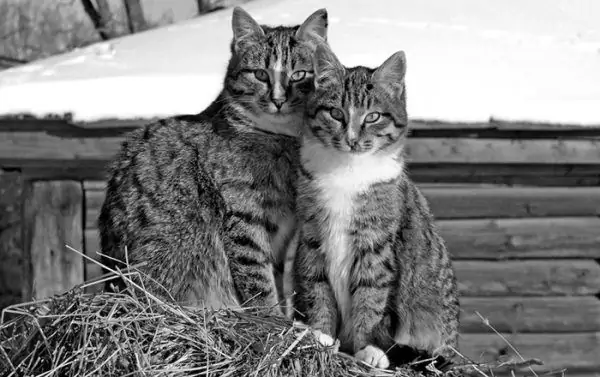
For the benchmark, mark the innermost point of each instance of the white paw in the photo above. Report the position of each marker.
(323, 338)
(373, 356)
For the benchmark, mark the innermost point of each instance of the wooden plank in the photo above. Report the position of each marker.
(25, 122)
(503, 127)
(92, 248)
(503, 174)
(480, 151)
(528, 278)
(507, 278)
(94, 185)
(494, 202)
(93, 204)
(18, 147)
(11, 247)
(75, 170)
(576, 237)
(508, 174)
(52, 219)
(575, 351)
(43, 146)
(531, 314)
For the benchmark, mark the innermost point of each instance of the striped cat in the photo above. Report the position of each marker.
(207, 202)
(370, 270)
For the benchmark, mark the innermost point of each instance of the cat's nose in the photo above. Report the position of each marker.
(278, 102)
(352, 143)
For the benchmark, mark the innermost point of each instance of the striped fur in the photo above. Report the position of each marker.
(370, 268)
(207, 201)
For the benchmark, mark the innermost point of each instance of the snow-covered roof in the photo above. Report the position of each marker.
(468, 61)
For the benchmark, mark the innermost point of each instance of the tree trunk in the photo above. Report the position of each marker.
(101, 18)
(135, 16)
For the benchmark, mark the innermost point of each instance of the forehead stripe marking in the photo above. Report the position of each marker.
(277, 87)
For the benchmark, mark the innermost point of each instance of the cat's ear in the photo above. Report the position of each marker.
(391, 73)
(326, 65)
(245, 29)
(314, 28)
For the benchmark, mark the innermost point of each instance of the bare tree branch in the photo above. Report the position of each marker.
(100, 17)
(135, 16)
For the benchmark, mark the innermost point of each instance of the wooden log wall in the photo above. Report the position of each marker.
(519, 209)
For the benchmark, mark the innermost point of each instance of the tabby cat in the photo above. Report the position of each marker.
(370, 269)
(206, 203)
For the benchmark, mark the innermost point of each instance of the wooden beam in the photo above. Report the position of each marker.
(91, 249)
(528, 278)
(39, 146)
(507, 174)
(479, 201)
(576, 237)
(35, 146)
(505, 151)
(93, 204)
(576, 352)
(52, 219)
(499, 174)
(487, 278)
(11, 246)
(530, 314)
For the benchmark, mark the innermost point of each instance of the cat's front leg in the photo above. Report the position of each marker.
(372, 281)
(314, 301)
(249, 250)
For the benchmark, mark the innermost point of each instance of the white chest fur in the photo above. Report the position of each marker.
(340, 177)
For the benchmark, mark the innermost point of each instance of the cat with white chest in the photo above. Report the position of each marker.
(370, 268)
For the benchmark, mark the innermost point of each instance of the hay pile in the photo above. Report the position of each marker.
(135, 333)
(113, 334)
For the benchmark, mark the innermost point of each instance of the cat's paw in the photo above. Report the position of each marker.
(324, 339)
(373, 356)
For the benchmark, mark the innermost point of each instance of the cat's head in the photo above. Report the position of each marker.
(270, 73)
(357, 110)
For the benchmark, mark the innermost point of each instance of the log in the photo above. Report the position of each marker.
(496, 278)
(503, 151)
(503, 174)
(39, 147)
(530, 314)
(567, 277)
(576, 237)
(480, 201)
(562, 175)
(577, 352)
(52, 219)
(478, 239)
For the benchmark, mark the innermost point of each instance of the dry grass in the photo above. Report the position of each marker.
(135, 333)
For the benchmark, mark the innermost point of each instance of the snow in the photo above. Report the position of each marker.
(468, 61)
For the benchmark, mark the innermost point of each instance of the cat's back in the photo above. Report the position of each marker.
(158, 166)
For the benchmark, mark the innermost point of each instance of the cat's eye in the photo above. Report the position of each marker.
(261, 75)
(298, 75)
(337, 114)
(372, 117)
